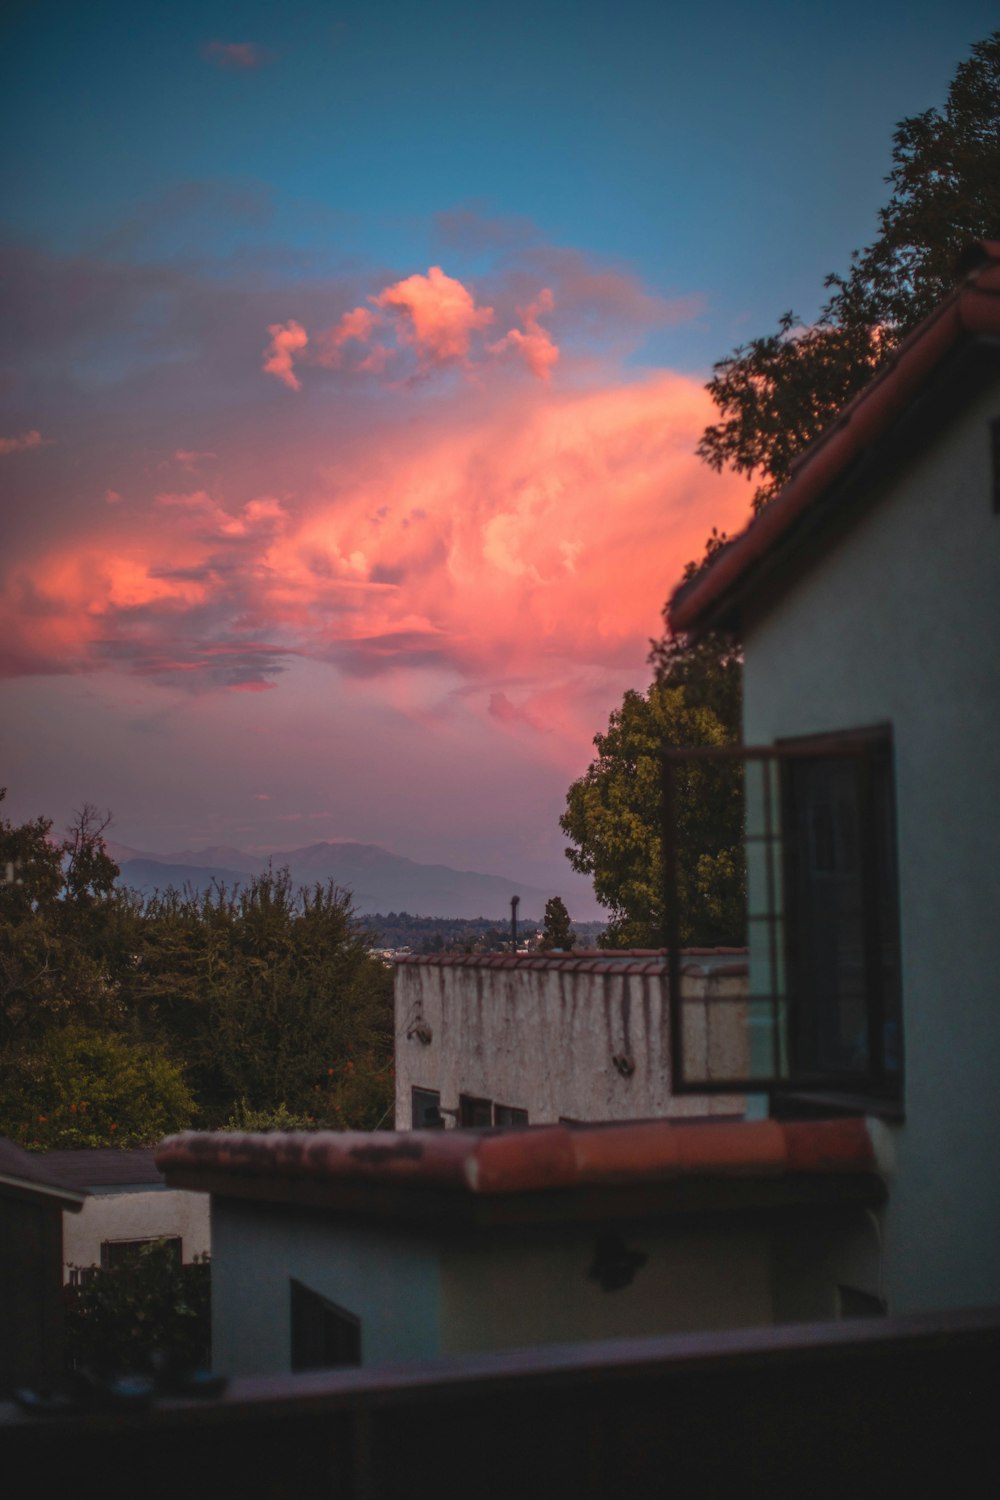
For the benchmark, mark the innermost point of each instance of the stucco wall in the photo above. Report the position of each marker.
(420, 1294)
(388, 1279)
(544, 1037)
(899, 622)
(500, 1295)
(135, 1215)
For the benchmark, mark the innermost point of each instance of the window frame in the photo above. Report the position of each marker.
(877, 1087)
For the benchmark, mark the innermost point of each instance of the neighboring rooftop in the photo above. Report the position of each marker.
(966, 323)
(592, 961)
(29, 1174)
(106, 1167)
(590, 1171)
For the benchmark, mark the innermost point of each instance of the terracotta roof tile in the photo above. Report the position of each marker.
(525, 1161)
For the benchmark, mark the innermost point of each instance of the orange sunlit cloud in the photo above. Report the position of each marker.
(535, 344)
(286, 341)
(504, 552)
(436, 316)
(19, 444)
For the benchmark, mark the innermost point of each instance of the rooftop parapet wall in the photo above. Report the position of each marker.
(565, 1036)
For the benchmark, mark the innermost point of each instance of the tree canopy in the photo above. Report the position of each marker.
(776, 393)
(122, 1018)
(613, 819)
(557, 931)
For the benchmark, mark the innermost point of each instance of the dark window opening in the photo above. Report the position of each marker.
(473, 1113)
(506, 1116)
(854, 1303)
(323, 1334)
(815, 882)
(115, 1253)
(425, 1107)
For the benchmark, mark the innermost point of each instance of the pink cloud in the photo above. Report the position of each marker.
(19, 444)
(192, 458)
(500, 707)
(535, 344)
(241, 57)
(287, 339)
(437, 314)
(501, 539)
(356, 325)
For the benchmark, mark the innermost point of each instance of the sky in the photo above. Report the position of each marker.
(352, 365)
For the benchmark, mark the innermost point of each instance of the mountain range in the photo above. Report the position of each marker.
(379, 881)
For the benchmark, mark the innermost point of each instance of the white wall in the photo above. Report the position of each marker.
(420, 1294)
(544, 1039)
(388, 1279)
(900, 622)
(135, 1215)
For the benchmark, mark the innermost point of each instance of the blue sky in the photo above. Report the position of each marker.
(222, 547)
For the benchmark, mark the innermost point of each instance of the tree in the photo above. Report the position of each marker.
(777, 393)
(613, 818)
(556, 929)
(268, 992)
(66, 929)
(82, 1088)
(120, 1319)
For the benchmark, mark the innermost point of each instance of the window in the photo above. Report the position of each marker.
(426, 1109)
(819, 1007)
(507, 1117)
(323, 1334)
(474, 1113)
(115, 1253)
(480, 1114)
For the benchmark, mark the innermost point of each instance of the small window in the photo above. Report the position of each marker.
(426, 1109)
(474, 1114)
(810, 876)
(506, 1117)
(323, 1334)
(115, 1253)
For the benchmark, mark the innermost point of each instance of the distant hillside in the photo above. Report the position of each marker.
(380, 881)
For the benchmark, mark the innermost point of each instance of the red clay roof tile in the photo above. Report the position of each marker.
(526, 1161)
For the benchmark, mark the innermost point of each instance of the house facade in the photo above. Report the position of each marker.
(336, 1249)
(500, 1040)
(867, 598)
(33, 1202)
(127, 1205)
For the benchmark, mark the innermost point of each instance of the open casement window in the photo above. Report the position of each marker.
(811, 893)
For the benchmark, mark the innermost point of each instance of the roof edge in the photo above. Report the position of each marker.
(972, 310)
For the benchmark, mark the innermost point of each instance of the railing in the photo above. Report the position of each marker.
(846, 1409)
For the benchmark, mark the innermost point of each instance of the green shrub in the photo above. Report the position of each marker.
(117, 1319)
(80, 1088)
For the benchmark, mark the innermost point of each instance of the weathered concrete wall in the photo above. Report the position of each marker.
(135, 1215)
(564, 1037)
(898, 622)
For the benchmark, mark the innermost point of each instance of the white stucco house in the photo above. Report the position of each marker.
(353, 1248)
(125, 1204)
(867, 599)
(498, 1039)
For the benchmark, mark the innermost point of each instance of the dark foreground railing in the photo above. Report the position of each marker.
(885, 1407)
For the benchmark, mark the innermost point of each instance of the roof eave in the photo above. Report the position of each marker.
(969, 317)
